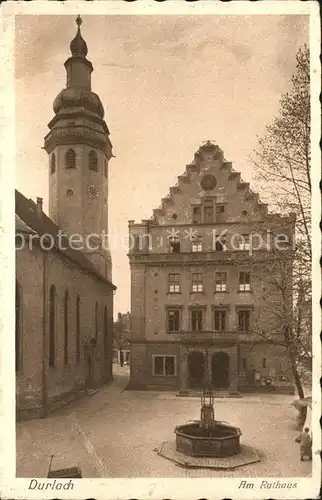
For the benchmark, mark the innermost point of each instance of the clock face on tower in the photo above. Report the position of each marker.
(93, 191)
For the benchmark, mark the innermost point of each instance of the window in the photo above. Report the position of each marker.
(197, 282)
(136, 241)
(220, 245)
(70, 159)
(53, 164)
(196, 245)
(164, 365)
(197, 320)
(96, 319)
(220, 213)
(105, 333)
(173, 320)
(105, 169)
(52, 325)
(244, 242)
(221, 282)
(196, 215)
(208, 212)
(244, 363)
(174, 244)
(264, 362)
(220, 320)
(77, 328)
(174, 283)
(243, 320)
(66, 301)
(244, 281)
(92, 161)
(18, 327)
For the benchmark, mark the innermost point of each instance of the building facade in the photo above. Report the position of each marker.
(199, 289)
(122, 336)
(64, 292)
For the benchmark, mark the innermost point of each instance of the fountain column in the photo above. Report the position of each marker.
(183, 370)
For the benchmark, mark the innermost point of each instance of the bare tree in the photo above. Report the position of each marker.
(282, 159)
(282, 164)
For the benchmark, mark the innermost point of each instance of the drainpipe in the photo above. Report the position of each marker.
(44, 336)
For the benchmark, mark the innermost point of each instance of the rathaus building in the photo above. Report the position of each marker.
(201, 286)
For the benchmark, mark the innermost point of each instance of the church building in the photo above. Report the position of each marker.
(202, 286)
(64, 289)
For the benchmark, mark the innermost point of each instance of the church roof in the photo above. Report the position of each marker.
(28, 220)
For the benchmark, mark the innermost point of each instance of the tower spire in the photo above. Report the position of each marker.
(78, 45)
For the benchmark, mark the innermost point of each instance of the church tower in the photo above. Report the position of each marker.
(79, 150)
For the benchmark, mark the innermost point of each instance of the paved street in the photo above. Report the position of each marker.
(115, 433)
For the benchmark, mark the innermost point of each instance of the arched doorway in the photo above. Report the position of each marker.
(196, 369)
(220, 370)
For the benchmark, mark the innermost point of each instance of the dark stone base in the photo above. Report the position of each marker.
(246, 456)
(135, 387)
(217, 394)
(56, 403)
(267, 389)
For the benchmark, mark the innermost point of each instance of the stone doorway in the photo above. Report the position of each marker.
(220, 370)
(196, 369)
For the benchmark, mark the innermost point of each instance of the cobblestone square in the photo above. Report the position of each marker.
(115, 433)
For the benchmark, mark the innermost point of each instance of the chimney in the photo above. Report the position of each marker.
(39, 207)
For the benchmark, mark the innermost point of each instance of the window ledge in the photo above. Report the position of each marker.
(174, 293)
(245, 291)
(221, 291)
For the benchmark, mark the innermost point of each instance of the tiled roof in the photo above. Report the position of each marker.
(27, 220)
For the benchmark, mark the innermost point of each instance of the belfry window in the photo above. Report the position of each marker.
(92, 161)
(105, 169)
(52, 325)
(70, 159)
(53, 164)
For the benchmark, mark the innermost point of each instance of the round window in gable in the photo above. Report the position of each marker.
(70, 192)
(174, 216)
(208, 182)
(244, 212)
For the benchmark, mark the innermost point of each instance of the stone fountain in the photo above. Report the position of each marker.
(207, 437)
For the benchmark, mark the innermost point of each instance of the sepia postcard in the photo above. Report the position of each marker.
(159, 250)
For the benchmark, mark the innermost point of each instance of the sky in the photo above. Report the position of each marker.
(167, 83)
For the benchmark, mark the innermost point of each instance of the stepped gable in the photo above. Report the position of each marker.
(209, 156)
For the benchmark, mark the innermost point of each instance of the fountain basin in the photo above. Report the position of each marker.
(222, 440)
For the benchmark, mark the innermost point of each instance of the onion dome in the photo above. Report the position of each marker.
(78, 46)
(78, 97)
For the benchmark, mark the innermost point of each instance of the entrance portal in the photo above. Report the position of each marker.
(196, 369)
(220, 370)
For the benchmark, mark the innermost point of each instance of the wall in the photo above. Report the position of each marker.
(29, 273)
(62, 380)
